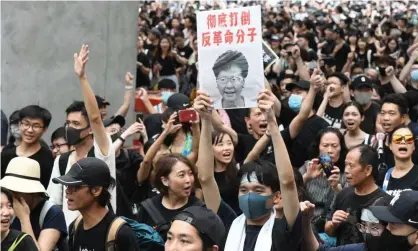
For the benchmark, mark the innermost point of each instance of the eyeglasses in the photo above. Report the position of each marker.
(35, 127)
(233, 80)
(52, 147)
(397, 139)
(365, 229)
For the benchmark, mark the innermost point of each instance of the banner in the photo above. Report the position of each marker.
(269, 56)
(231, 56)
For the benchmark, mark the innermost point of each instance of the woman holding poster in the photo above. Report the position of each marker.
(231, 69)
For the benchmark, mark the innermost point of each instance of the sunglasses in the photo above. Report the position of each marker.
(397, 139)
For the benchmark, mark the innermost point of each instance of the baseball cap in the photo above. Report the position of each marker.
(302, 84)
(178, 101)
(118, 119)
(205, 221)
(275, 38)
(101, 101)
(156, 32)
(88, 171)
(403, 209)
(362, 82)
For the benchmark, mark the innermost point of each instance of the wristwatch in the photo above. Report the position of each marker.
(121, 139)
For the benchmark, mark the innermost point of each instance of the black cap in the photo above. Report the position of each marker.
(362, 82)
(118, 119)
(302, 84)
(275, 38)
(178, 101)
(205, 221)
(88, 171)
(156, 32)
(101, 101)
(402, 209)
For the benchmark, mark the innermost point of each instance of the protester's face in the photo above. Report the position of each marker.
(180, 181)
(257, 121)
(402, 143)
(330, 143)
(335, 83)
(300, 92)
(275, 44)
(392, 45)
(164, 44)
(283, 84)
(78, 121)
(183, 236)
(254, 187)
(329, 34)
(59, 146)
(175, 23)
(78, 197)
(140, 43)
(230, 83)
(179, 41)
(286, 40)
(103, 112)
(224, 149)
(302, 42)
(31, 129)
(113, 128)
(355, 173)
(7, 213)
(352, 39)
(361, 44)
(390, 117)
(352, 118)
(372, 74)
(187, 23)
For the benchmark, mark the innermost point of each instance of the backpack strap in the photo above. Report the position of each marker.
(91, 152)
(45, 208)
(18, 239)
(386, 180)
(114, 229)
(75, 227)
(153, 212)
(63, 162)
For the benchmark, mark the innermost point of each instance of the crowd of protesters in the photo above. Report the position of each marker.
(326, 161)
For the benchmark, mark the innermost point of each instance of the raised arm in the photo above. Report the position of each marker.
(324, 103)
(284, 167)
(393, 80)
(406, 70)
(134, 128)
(90, 102)
(142, 94)
(195, 144)
(306, 108)
(123, 110)
(146, 164)
(302, 69)
(219, 125)
(258, 148)
(206, 161)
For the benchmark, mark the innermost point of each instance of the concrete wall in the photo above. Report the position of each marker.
(38, 40)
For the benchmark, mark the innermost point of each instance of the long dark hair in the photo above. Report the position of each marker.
(231, 169)
(313, 149)
(159, 52)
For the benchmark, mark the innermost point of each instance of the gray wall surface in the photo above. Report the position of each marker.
(38, 40)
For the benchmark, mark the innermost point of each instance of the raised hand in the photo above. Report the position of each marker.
(313, 170)
(134, 128)
(80, 61)
(334, 179)
(339, 217)
(141, 94)
(21, 208)
(296, 52)
(203, 104)
(317, 80)
(128, 79)
(265, 103)
(307, 209)
(170, 127)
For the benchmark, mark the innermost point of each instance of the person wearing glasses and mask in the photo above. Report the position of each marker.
(33, 123)
(59, 143)
(231, 69)
(404, 176)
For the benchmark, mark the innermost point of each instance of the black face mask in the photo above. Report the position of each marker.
(115, 136)
(382, 71)
(386, 242)
(73, 135)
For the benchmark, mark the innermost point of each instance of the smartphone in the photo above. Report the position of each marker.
(140, 117)
(185, 116)
(326, 164)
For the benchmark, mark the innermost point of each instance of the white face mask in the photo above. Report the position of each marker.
(15, 131)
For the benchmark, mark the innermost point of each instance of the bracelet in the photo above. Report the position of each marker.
(129, 87)
(121, 139)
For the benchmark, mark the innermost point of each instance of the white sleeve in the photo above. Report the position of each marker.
(55, 190)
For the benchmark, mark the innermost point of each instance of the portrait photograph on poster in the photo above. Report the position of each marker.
(231, 66)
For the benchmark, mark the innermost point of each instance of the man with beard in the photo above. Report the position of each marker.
(362, 91)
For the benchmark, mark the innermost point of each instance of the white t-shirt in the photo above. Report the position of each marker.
(57, 193)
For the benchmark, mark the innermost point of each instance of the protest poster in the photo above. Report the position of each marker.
(269, 56)
(230, 56)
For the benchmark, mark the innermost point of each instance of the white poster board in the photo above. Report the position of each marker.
(231, 56)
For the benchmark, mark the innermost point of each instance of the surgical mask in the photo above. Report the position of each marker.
(295, 102)
(414, 75)
(73, 135)
(15, 131)
(253, 205)
(363, 98)
(165, 96)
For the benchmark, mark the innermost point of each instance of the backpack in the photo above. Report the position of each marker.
(148, 239)
(18, 239)
(160, 224)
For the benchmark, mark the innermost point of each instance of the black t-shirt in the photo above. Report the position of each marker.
(26, 244)
(43, 156)
(141, 78)
(368, 125)
(407, 182)
(95, 237)
(247, 142)
(333, 115)
(282, 238)
(341, 57)
(185, 52)
(228, 190)
(298, 149)
(168, 65)
(348, 201)
(237, 118)
(149, 50)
